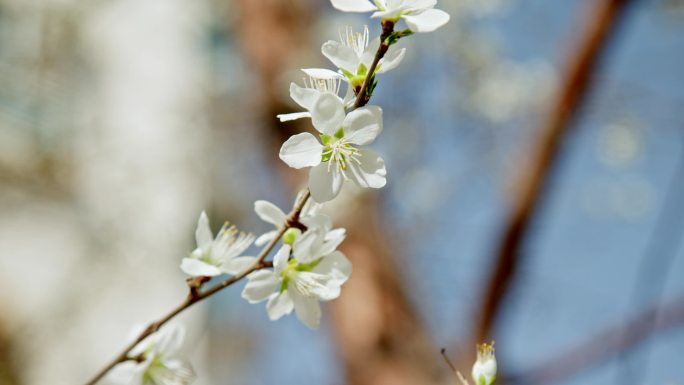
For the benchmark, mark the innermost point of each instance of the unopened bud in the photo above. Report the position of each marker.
(484, 369)
(291, 235)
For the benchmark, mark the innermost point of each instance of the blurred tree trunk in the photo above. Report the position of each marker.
(380, 338)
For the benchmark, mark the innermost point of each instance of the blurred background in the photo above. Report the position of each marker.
(535, 189)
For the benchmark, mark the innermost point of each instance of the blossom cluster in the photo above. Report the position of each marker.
(307, 268)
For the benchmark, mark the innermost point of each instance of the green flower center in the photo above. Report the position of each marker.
(293, 268)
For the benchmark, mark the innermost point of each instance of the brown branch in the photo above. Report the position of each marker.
(605, 345)
(195, 295)
(605, 15)
(362, 97)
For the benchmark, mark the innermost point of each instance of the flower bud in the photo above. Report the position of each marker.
(484, 369)
(291, 235)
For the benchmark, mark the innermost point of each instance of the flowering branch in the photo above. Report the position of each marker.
(307, 269)
(195, 295)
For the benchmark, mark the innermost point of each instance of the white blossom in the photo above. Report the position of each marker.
(337, 159)
(215, 256)
(354, 55)
(154, 361)
(484, 369)
(315, 273)
(270, 213)
(320, 81)
(419, 15)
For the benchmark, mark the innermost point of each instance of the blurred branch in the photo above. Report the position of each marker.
(661, 251)
(604, 17)
(604, 345)
(9, 371)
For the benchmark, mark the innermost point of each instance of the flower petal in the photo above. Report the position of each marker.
(203, 234)
(322, 73)
(324, 185)
(303, 96)
(260, 286)
(363, 125)
(392, 60)
(340, 55)
(304, 246)
(268, 212)
(426, 21)
(301, 150)
(308, 309)
(278, 305)
(170, 340)
(420, 4)
(371, 172)
(280, 259)
(197, 268)
(335, 265)
(317, 221)
(327, 113)
(127, 372)
(237, 265)
(353, 5)
(370, 51)
(293, 116)
(265, 238)
(332, 241)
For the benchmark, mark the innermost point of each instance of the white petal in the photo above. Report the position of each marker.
(332, 241)
(307, 308)
(420, 4)
(390, 12)
(301, 150)
(363, 125)
(268, 212)
(278, 305)
(426, 21)
(322, 73)
(371, 172)
(337, 266)
(203, 234)
(302, 248)
(293, 116)
(197, 268)
(324, 185)
(334, 234)
(280, 259)
(260, 286)
(327, 113)
(125, 373)
(265, 238)
(320, 286)
(303, 96)
(237, 265)
(353, 5)
(183, 374)
(340, 55)
(370, 51)
(170, 340)
(392, 60)
(317, 221)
